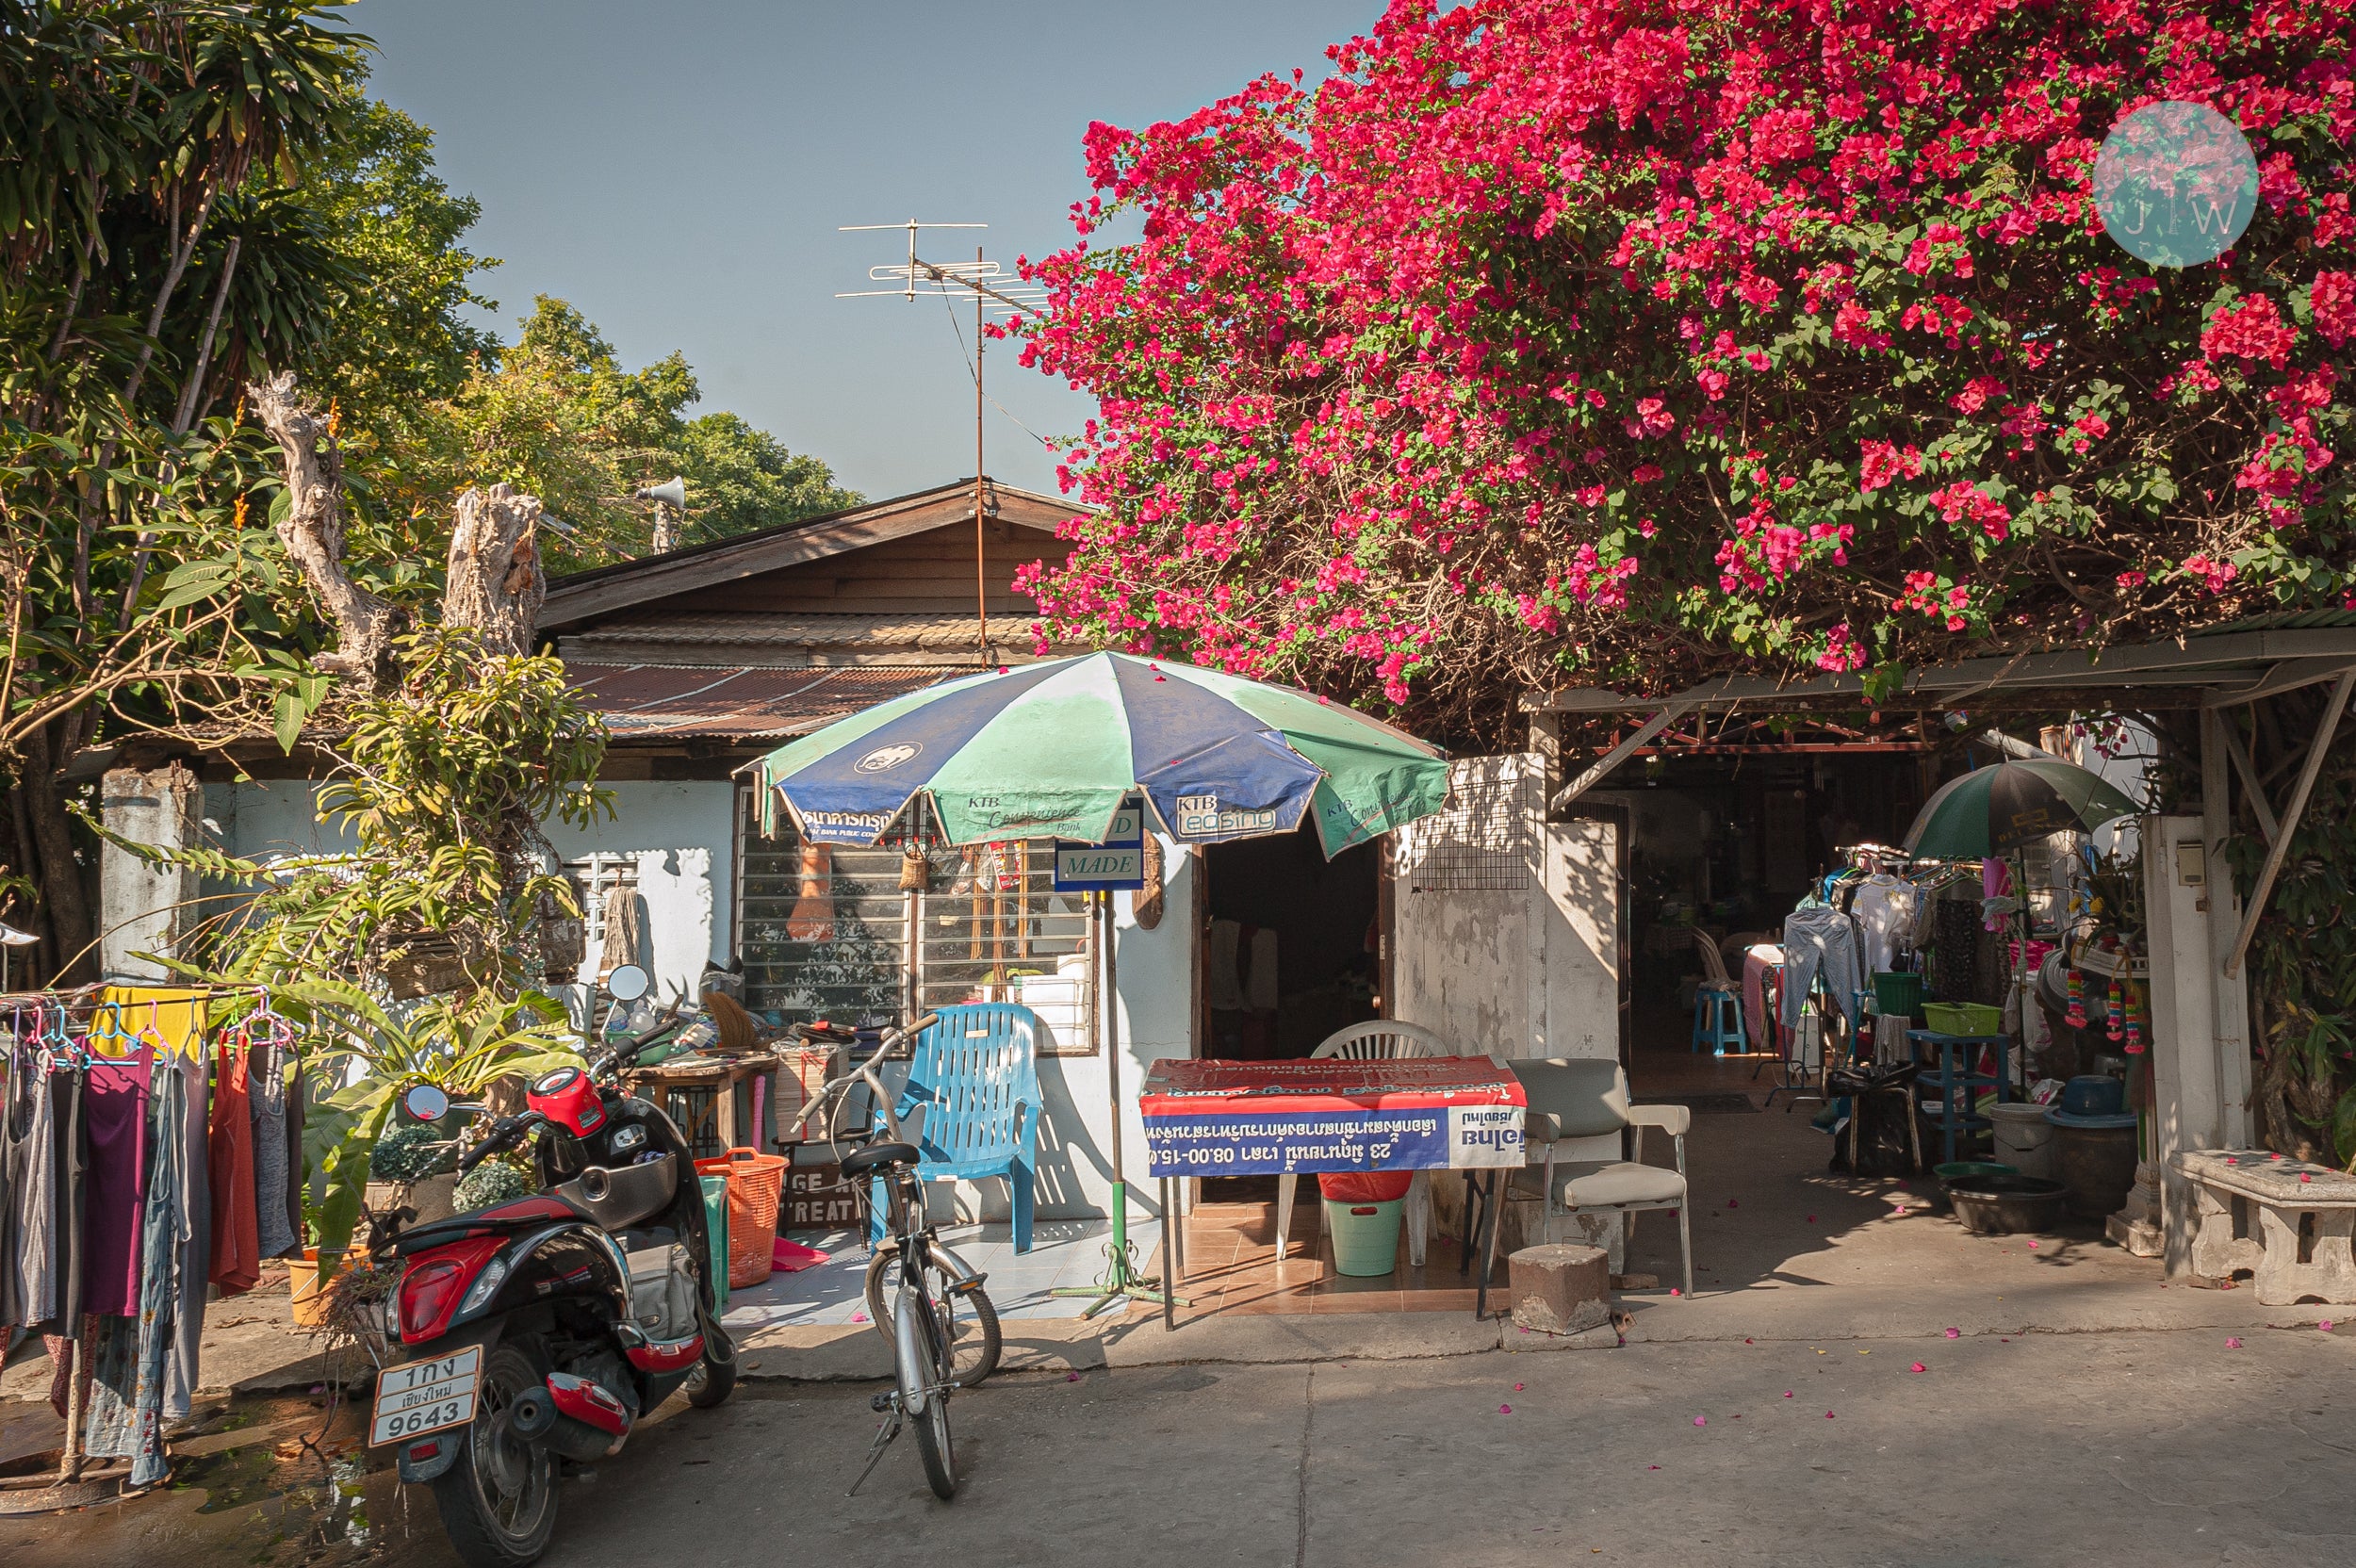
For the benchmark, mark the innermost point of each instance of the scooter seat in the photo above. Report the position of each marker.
(521, 1214)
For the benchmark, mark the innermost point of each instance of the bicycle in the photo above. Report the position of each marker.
(921, 1319)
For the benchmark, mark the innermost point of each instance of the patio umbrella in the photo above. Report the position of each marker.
(1994, 809)
(1053, 750)
(1050, 750)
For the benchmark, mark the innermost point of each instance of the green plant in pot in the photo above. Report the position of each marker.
(464, 1044)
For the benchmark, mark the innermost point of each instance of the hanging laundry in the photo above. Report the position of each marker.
(624, 941)
(237, 1255)
(1884, 908)
(114, 1199)
(26, 1281)
(266, 1080)
(294, 1150)
(1820, 941)
(1225, 979)
(812, 918)
(193, 1249)
(132, 1359)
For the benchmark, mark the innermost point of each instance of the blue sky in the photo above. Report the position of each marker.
(678, 170)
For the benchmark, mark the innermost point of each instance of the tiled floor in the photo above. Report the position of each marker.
(1063, 1253)
(1232, 1266)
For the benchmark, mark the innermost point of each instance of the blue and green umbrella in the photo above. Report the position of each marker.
(1052, 749)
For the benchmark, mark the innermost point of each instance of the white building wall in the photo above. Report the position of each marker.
(1514, 973)
(681, 833)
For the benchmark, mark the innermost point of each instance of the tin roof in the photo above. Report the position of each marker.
(676, 701)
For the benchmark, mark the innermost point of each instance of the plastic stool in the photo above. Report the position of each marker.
(1717, 1019)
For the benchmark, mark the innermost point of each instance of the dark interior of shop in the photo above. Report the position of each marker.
(1281, 898)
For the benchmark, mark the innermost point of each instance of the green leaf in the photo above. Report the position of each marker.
(287, 727)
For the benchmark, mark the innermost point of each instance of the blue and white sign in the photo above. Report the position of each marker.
(1118, 862)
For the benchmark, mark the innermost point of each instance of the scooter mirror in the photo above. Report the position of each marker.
(424, 1102)
(627, 983)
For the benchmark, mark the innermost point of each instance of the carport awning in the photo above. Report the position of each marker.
(2233, 664)
(681, 702)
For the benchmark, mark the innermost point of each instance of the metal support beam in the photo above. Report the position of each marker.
(2315, 753)
(2288, 675)
(2231, 734)
(1603, 765)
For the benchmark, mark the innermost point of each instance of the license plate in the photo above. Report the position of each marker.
(423, 1397)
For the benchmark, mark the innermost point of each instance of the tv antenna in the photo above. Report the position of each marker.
(995, 292)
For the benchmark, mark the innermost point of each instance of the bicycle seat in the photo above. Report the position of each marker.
(874, 1154)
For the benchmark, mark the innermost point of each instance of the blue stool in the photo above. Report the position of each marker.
(1717, 1019)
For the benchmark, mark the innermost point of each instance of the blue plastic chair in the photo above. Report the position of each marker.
(975, 1075)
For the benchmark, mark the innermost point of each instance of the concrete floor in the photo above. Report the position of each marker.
(2086, 1411)
(2159, 1448)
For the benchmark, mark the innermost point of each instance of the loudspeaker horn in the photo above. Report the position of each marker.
(672, 491)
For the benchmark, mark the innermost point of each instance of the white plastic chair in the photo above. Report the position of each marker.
(1378, 1040)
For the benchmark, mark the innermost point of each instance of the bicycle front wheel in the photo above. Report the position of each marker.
(933, 1441)
(974, 1338)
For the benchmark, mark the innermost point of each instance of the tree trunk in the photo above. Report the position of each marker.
(59, 875)
(312, 533)
(495, 582)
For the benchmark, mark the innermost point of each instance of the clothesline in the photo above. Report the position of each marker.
(131, 1180)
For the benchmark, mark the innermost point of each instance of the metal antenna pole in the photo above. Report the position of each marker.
(981, 550)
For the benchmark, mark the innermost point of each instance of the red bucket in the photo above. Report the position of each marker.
(1365, 1186)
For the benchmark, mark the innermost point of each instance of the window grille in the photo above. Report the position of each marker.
(829, 937)
(1480, 842)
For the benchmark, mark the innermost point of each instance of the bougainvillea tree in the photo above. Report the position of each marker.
(1551, 341)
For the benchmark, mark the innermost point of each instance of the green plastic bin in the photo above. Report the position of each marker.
(1897, 995)
(1365, 1236)
(1963, 1018)
(716, 1226)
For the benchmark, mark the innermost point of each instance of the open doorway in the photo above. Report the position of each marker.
(1290, 944)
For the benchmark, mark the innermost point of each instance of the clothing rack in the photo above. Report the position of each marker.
(115, 1240)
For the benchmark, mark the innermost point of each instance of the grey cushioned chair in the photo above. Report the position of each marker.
(1589, 1099)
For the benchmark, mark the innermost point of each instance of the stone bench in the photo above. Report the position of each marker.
(2291, 1225)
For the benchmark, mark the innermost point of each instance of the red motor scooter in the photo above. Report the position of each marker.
(545, 1328)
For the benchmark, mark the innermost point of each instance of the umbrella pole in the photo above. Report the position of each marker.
(1123, 1281)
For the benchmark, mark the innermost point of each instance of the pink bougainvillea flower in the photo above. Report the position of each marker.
(1954, 1333)
(1505, 1409)
(1368, 419)
(1701, 1420)
(1918, 1366)
(2233, 1344)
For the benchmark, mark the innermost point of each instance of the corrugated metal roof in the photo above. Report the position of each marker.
(644, 701)
(726, 628)
(2285, 620)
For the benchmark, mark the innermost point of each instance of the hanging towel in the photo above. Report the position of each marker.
(1225, 981)
(1260, 981)
(114, 1199)
(236, 1260)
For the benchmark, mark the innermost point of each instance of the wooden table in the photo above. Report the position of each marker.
(2253, 1207)
(719, 1074)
